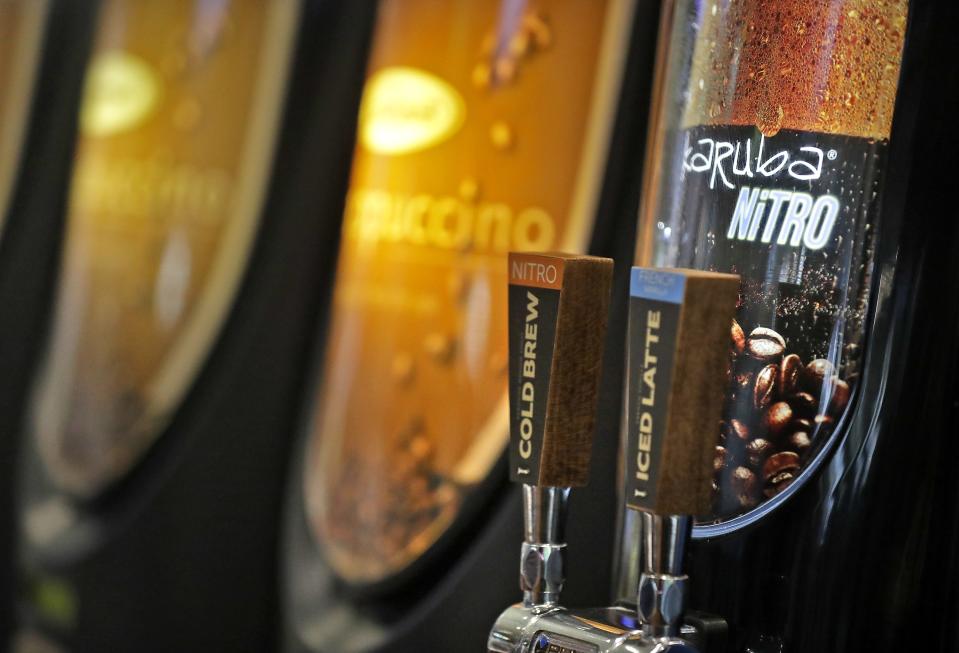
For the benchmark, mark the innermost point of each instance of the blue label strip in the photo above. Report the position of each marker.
(659, 285)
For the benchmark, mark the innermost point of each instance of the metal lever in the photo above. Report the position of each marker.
(543, 564)
(661, 600)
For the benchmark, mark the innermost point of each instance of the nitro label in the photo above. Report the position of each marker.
(788, 190)
(534, 296)
(654, 308)
(793, 215)
(788, 217)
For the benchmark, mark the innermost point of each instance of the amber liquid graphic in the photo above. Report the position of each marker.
(828, 67)
(176, 134)
(483, 129)
(772, 170)
(21, 36)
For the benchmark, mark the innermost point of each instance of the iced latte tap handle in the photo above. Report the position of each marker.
(676, 373)
(558, 305)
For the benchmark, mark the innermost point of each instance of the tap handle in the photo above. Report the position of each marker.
(676, 373)
(558, 305)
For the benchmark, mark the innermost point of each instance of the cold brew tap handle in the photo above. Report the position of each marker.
(676, 377)
(558, 305)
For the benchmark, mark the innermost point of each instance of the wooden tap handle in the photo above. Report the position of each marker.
(558, 306)
(676, 382)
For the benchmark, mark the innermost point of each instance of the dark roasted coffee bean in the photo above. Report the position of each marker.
(761, 346)
(763, 332)
(801, 424)
(823, 424)
(757, 451)
(778, 418)
(747, 501)
(814, 374)
(784, 461)
(743, 485)
(778, 483)
(789, 374)
(739, 430)
(765, 386)
(719, 459)
(799, 442)
(838, 395)
(738, 338)
(803, 404)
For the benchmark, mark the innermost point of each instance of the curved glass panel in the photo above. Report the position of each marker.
(767, 162)
(483, 128)
(177, 130)
(21, 36)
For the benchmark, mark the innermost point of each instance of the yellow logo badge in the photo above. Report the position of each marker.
(406, 110)
(121, 91)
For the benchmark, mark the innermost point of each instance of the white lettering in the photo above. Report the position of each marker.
(726, 160)
(823, 218)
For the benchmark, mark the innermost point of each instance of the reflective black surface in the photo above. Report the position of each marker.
(30, 244)
(181, 554)
(864, 556)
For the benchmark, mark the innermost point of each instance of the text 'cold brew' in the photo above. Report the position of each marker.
(484, 128)
(769, 157)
